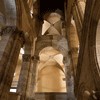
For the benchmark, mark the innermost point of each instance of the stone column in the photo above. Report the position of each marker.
(69, 79)
(11, 65)
(30, 82)
(74, 47)
(35, 60)
(81, 13)
(40, 22)
(23, 78)
(27, 78)
(29, 90)
(37, 20)
(78, 21)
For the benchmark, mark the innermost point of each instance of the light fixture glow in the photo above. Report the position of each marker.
(12, 90)
(22, 51)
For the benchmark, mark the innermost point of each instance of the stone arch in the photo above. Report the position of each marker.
(47, 64)
(95, 16)
(88, 46)
(87, 52)
(58, 12)
(58, 64)
(82, 4)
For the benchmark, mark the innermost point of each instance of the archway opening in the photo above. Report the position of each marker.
(50, 71)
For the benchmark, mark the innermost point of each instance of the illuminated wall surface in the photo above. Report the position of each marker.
(50, 72)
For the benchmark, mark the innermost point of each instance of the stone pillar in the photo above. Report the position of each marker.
(81, 13)
(74, 47)
(35, 60)
(11, 65)
(30, 84)
(27, 78)
(23, 78)
(40, 20)
(31, 80)
(77, 20)
(36, 18)
(69, 79)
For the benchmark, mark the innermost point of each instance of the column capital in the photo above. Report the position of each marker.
(21, 37)
(26, 57)
(13, 30)
(8, 29)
